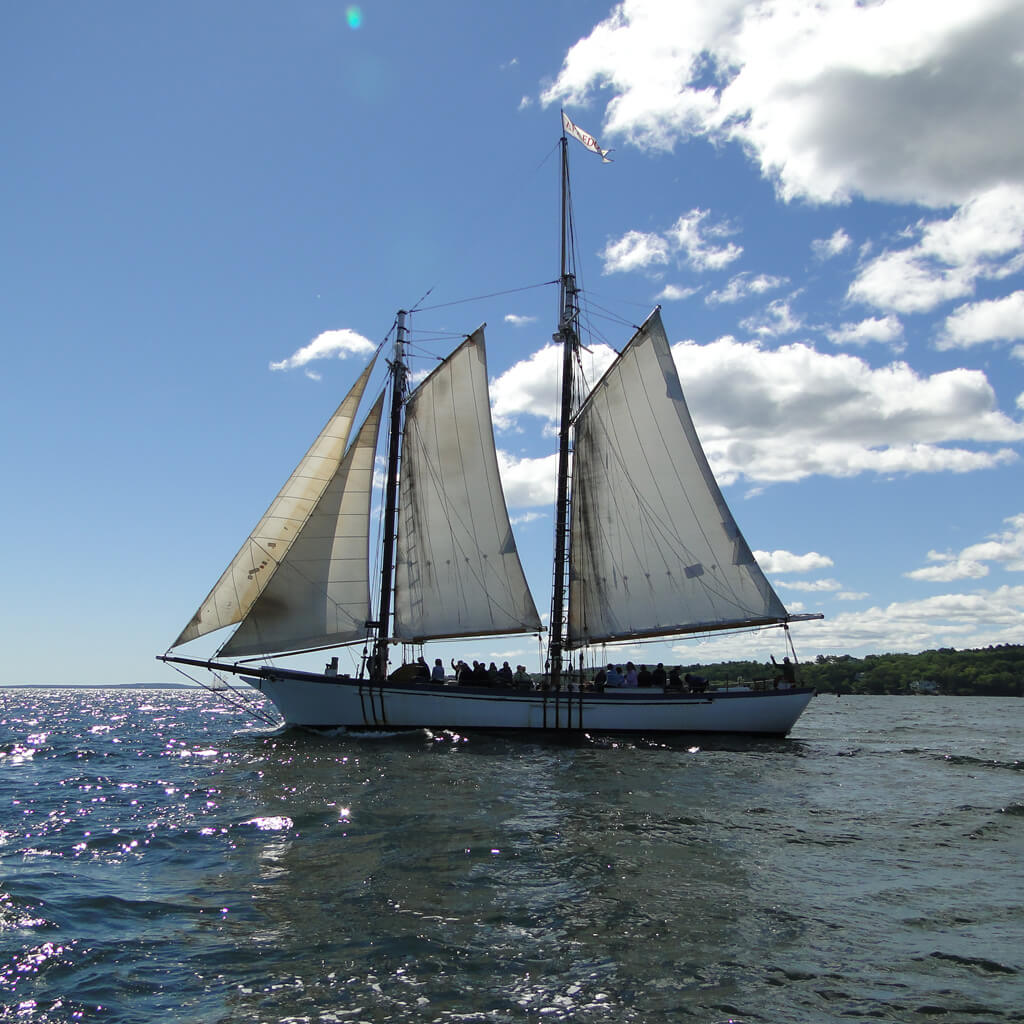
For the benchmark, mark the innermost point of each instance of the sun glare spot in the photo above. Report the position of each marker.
(354, 16)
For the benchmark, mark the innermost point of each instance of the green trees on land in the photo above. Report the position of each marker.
(990, 671)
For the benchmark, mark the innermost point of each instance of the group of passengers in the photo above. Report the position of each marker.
(480, 674)
(613, 676)
(657, 678)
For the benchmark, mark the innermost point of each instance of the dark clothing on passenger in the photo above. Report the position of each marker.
(697, 684)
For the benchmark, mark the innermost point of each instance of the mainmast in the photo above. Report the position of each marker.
(568, 337)
(379, 662)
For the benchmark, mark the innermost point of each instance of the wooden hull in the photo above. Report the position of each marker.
(322, 702)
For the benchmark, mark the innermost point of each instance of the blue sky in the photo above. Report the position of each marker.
(827, 199)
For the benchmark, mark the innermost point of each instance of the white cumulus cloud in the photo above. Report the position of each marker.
(766, 416)
(907, 100)
(885, 329)
(786, 561)
(982, 239)
(693, 240)
(674, 293)
(963, 620)
(1005, 548)
(978, 322)
(635, 250)
(827, 248)
(775, 320)
(336, 344)
(742, 286)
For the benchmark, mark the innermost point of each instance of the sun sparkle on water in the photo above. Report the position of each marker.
(354, 16)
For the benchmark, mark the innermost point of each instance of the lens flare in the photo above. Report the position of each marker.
(354, 17)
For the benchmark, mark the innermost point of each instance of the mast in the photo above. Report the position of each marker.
(568, 337)
(379, 661)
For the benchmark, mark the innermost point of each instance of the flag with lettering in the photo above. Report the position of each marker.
(588, 140)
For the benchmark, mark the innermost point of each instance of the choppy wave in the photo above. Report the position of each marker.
(165, 859)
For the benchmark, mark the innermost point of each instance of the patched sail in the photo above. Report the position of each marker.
(244, 579)
(319, 595)
(654, 548)
(457, 570)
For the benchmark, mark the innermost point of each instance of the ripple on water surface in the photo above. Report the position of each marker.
(162, 859)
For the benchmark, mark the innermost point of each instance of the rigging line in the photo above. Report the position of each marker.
(547, 156)
(590, 330)
(478, 298)
(608, 314)
(423, 296)
(242, 701)
(437, 335)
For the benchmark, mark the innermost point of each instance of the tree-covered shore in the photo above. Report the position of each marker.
(989, 671)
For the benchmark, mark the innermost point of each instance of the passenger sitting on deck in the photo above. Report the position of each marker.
(658, 676)
(522, 679)
(632, 676)
(437, 672)
(600, 678)
(674, 681)
(461, 670)
(643, 677)
(697, 684)
(505, 673)
(422, 672)
(614, 676)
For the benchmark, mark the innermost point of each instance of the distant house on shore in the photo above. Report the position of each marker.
(924, 686)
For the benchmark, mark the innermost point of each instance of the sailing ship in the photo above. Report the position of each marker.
(645, 547)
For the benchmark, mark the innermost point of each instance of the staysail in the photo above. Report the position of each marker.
(458, 572)
(654, 548)
(320, 594)
(241, 583)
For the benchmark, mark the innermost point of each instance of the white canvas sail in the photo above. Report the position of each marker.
(320, 594)
(457, 568)
(654, 547)
(243, 580)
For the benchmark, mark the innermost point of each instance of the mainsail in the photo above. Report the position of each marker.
(458, 572)
(654, 547)
(258, 558)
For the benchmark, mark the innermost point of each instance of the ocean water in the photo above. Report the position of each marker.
(164, 858)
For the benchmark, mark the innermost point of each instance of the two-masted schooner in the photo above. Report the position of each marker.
(645, 546)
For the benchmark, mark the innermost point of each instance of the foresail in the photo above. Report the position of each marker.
(243, 580)
(654, 547)
(320, 593)
(457, 571)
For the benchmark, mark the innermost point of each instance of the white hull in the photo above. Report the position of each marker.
(316, 701)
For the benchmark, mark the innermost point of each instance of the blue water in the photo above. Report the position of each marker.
(163, 858)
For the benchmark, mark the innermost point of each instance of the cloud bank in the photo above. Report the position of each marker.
(800, 87)
(766, 416)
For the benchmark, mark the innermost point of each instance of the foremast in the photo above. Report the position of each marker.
(568, 338)
(379, 658)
